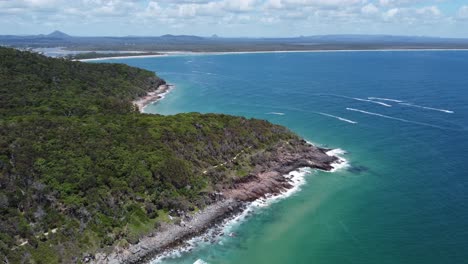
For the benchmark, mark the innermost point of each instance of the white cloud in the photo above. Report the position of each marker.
(391, 13)
(463, 12)
(311, 16)
(429, 11)
(274, 4)
(393, 3)
(369, 9)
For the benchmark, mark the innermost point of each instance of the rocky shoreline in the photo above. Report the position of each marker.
(267, 178)
(153, 96)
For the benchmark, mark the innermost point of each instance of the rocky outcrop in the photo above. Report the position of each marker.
(266, 178)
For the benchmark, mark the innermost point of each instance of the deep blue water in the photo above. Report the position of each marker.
(405, 197)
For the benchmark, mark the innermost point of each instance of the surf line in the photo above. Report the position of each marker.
(399, 119)
(428, 108)
(337, 117)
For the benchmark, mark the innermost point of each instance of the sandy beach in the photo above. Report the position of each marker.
(185, 53)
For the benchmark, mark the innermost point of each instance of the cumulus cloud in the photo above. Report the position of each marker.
(369, 9)
(463, 12)
(305, 16)
(431, 11)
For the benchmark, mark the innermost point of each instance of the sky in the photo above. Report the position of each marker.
(235, 18)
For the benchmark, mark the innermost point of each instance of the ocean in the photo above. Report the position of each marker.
(400, 116)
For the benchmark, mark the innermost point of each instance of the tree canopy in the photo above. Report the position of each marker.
(82, 169)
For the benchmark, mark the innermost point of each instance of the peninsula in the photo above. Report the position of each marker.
(86, 177)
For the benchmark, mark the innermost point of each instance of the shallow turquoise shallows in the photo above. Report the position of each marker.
(401, 116)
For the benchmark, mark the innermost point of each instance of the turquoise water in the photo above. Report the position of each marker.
(404, 198)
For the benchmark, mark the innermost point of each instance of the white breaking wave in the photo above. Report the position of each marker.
(385, 99)
(276, 113)
(342, 163)
(428, 108)
(399, 119)
(337, 117)
(370, 101)
(296, 179)
(161, 97)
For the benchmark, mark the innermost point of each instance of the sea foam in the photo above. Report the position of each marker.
(342, 163)
(296, 179)
(161, 97)
(223, 231)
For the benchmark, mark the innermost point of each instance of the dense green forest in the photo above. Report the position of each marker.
(81, 169)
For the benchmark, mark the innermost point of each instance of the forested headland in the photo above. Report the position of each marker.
(81, 169)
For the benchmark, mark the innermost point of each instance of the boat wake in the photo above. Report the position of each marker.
(358, 99)
(428, 108)
(276, 113)
(398, 119)
(385, 99)
(370, 101)
(337, 117)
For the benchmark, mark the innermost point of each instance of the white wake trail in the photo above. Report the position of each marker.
(428, 108)
(385, 99)
(339, 118)
(370, 101)
(275, 113)
(398, 119)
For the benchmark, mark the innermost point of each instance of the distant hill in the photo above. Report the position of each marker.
(214, 43)
(58, 34)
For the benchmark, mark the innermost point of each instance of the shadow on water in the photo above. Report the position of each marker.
(357, 169)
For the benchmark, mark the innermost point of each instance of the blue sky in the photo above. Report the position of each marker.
(264, 18)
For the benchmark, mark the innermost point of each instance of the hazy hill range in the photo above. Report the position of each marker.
(219, 44)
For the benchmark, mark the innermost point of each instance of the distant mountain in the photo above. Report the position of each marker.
(182, 37)
(58, 34)
(215, 43)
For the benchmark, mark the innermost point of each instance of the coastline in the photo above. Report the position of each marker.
(152, 97)
(277, 177)
(214, 53)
